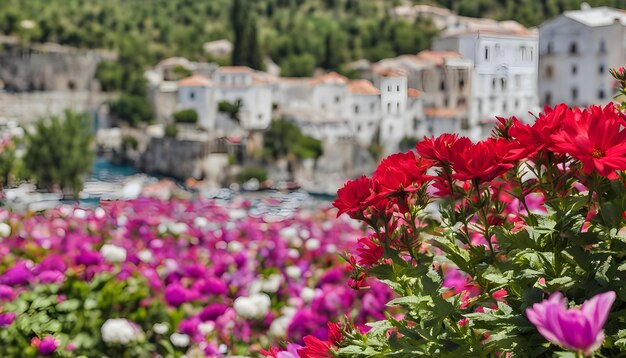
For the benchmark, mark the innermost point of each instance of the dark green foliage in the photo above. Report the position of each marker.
(252, 172)
(408, 143)
(7, 162)
(132, 109)
(59, 152)
(186, 116)
(232, 109)
(171, 131)
(130, 142)
(284, 139)
(246, 49)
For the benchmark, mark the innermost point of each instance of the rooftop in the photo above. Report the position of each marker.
(438, 57)
(597, 16)
(194, 81)
(235, 69)
(443, 112)
(362, 87)
(389, 71)
(330, 78)
(412, 92)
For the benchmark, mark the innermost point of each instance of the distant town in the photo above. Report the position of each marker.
(211, 121)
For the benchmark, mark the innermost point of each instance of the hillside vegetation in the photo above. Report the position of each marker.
(299, 35)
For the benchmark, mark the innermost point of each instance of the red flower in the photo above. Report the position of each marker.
(539, 136)
(480, 161)
(315, 348)
(369, 253)
(596, 138)
(335, 332)
(400, 172)
(271, 352)
(351, 198)
(441, 148)
(499, 295)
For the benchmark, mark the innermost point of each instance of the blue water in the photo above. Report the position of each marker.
(105, 171)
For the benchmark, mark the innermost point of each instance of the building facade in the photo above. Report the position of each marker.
(504, 79)
(577, 49)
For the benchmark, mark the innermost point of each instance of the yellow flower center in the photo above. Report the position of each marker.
(597, 153)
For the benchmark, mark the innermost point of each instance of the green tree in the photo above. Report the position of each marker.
(59, 152)
(186, 116)
(132, 109)
(284, 139)
(232, 109)
(298, 66)
(246, 48)
(7, 161)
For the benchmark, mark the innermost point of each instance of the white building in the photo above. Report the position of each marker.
(331, 107)
(505, 72)
(241, 84)
(577, 49)
(443, 81)
(197, 93)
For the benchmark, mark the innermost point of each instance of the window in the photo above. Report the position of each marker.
(549, 48)
(503, 83)
(504, 107)
(601, 94)
(487, 53)
(442, 86)
(460, 102)
(192, 95)
(445, 102)
(522, 53)
(549, 72)
(398, 88)
(356, 109)
(337, 99)
(388, 107)
(398, 107)
(574, 94)
(574, 69)
(498, 51)
(493, 83)
(602, 46)
(461, 82)
(601, 69)
(573, 48)
(480, 105)
(388, 88)
(518, 81)
(372, 106)
(358, 128)
(260, 117)
(548, 98)
(415, 123)
(516, 104)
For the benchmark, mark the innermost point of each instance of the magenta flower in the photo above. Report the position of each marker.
(576, 329)
(47, 346)
(6, 319)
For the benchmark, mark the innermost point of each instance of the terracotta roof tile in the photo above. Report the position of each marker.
(443, 112)
(194, 81)
(412, 92)
(330, 78)
(363, 87)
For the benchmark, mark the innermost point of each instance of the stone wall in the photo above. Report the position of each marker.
(49, 67)
(180, 159)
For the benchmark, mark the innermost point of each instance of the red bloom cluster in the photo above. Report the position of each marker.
(595, 137)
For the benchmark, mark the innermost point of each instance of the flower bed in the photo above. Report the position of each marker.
(148, 277)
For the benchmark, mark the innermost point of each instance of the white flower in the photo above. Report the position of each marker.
(200, 222)
(288, 233)
(331, 248)
(307, 294)
(312, 244)
(206, 327)
(237, 214)
(179, 339)
(119, 330)
(112, 253)
(278, 328)
(178, 228)
(235, 246)
(253, 307)
(122, 220)
(271, 284)
(305, 234)
(293, 272)
(160, 328)
(99, 213)
(293, 253)
(5, 230)
(80, 214)
(145, 255)
(223, 348)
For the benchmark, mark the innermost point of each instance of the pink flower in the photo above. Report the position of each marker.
(47, 346)
(576, 329)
